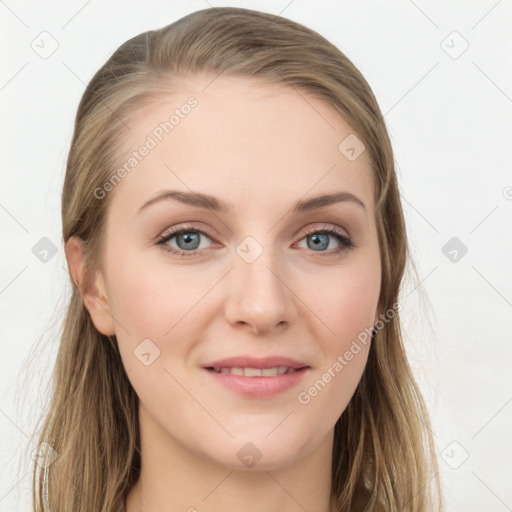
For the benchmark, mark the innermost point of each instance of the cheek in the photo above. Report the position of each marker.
(350, 316)
(153, 298)
(347, 307)
(346, 302)
(162, 303)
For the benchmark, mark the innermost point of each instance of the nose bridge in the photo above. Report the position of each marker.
(258, 293)
(258, 264)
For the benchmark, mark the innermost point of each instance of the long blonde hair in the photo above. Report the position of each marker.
(383, 453)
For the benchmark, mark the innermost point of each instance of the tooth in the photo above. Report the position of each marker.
(252, 372)
(256, 372)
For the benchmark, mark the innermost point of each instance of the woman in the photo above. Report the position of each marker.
(236, 245)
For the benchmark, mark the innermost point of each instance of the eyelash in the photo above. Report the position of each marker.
(345, 242)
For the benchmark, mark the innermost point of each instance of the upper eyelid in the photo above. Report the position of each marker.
(172, 232)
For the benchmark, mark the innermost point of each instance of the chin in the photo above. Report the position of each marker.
(255, 452)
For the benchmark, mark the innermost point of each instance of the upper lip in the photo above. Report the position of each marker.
(255, 362)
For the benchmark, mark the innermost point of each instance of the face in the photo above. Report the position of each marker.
(212, 305)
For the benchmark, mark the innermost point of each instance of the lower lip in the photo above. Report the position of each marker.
(259, 387)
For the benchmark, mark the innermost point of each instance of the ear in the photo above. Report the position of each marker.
(94, 295)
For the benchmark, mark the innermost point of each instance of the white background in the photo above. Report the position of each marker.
(449, 121)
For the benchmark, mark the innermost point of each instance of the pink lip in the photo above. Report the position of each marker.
(257, 387)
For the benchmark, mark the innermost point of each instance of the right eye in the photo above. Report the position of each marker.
(188, 240)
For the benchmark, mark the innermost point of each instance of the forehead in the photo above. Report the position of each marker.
(243, 140)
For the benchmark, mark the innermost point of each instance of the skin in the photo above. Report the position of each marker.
(260, 147)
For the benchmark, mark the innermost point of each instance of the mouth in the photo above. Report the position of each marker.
(257, 378)
(255, 372)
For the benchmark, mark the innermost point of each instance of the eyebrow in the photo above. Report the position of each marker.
(212, 203)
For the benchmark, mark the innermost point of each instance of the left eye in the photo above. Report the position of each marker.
(188, 240)
(320, 239)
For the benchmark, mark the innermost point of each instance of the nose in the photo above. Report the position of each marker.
(260, 299)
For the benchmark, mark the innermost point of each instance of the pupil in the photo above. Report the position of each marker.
(189, 238)
(318, 240)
